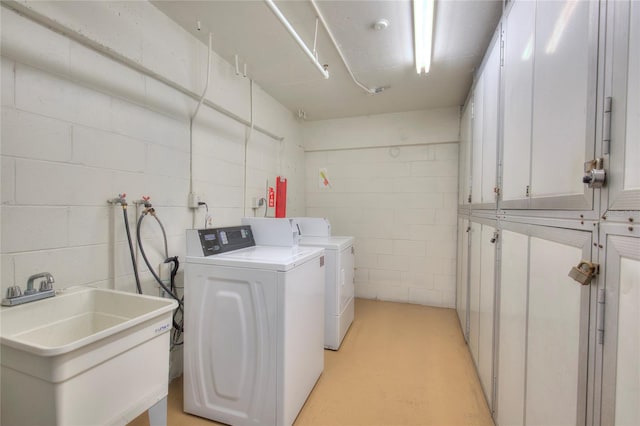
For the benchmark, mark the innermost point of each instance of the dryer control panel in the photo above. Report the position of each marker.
(207, 242)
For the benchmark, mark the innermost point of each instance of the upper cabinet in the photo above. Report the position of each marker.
(464, 158)
(623, 89)
(550, 88)
(484, 138)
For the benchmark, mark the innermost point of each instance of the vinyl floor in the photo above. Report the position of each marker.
(400, 364)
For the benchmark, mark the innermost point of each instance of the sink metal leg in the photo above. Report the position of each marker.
(158, 413)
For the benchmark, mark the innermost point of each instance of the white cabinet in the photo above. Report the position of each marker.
(543, 327)
(621, 369)
(518, 100)
(512, 331)
(462, 274)
(481, 300)
(550, 68)
(464, 159)
(485, 130)
(623, 86)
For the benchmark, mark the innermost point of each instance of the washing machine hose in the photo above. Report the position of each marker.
(133, 258)
(146, 261)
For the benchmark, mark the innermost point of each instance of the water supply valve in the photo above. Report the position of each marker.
(595, 176)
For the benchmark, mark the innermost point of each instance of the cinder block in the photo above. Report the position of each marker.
(435, 168)
(140, 123)
(35, 136)
(167, 162)
(97, 148)
(92, 69)
(33, 228)
(69, 266)
(6, 274)
(91, 225)
(447, 184)
(7, 75)
(423, 296)
(366, 290)
(8, 180)
(33, 44)
(41, 183)
(447, 151)
(409, 248)
(393, 293)
(55, 97)
(404, 216)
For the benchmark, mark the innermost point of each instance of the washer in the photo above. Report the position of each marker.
(254, 327)
(339, 276)
(339, 287)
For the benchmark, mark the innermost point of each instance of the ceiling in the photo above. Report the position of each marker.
(248, 28)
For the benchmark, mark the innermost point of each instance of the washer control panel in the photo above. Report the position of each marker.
(207, 242)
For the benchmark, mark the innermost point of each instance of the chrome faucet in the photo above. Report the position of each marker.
(46, 284)
(15, 296)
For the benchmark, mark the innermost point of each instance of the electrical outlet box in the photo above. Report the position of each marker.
(194, 199)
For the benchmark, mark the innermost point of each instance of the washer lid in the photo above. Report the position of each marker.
(329, 243)
(262, 257)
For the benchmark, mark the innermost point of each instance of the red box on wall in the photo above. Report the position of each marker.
(281, 197)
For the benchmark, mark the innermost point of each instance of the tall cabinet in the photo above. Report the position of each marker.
(554, 107)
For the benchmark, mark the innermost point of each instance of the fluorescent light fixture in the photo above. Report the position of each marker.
(423, 33)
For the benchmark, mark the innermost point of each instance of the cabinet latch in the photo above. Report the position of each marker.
(594, 173)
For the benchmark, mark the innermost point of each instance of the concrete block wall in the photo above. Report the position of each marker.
(79, 127)
(400, 204)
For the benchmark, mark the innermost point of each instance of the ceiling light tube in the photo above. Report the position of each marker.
(423, 33)
(296, 37)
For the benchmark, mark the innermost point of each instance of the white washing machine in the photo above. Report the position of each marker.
(254, 327)
(339, 276)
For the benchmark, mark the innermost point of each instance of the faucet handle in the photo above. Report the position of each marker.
(14, 291)
(46, 285)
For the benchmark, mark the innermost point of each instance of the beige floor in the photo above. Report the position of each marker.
(399, 364)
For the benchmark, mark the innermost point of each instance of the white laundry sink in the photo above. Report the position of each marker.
(87, 356)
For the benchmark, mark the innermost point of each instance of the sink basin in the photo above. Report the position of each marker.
(86, 356)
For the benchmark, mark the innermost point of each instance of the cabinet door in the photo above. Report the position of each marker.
(476, 142)
(475, 268)
(624, 70)
(462, 278)
(518, 102)
(513, 328)
(486, 311)
(564, 83)
(543, 327)
(621, 369)
(557, 329)
(491, 96)
(464, 161)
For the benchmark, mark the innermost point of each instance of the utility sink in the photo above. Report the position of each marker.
(86, 356)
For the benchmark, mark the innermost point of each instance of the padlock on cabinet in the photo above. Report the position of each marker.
(584, 272)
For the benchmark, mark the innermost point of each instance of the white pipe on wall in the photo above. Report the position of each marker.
(371, 91)
(296, 37)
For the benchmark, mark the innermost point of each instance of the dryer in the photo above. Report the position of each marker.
(254, 327)
(340, 262)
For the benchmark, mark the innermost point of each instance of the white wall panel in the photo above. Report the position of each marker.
(562, 92)
(518, 99)
(513, 328)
